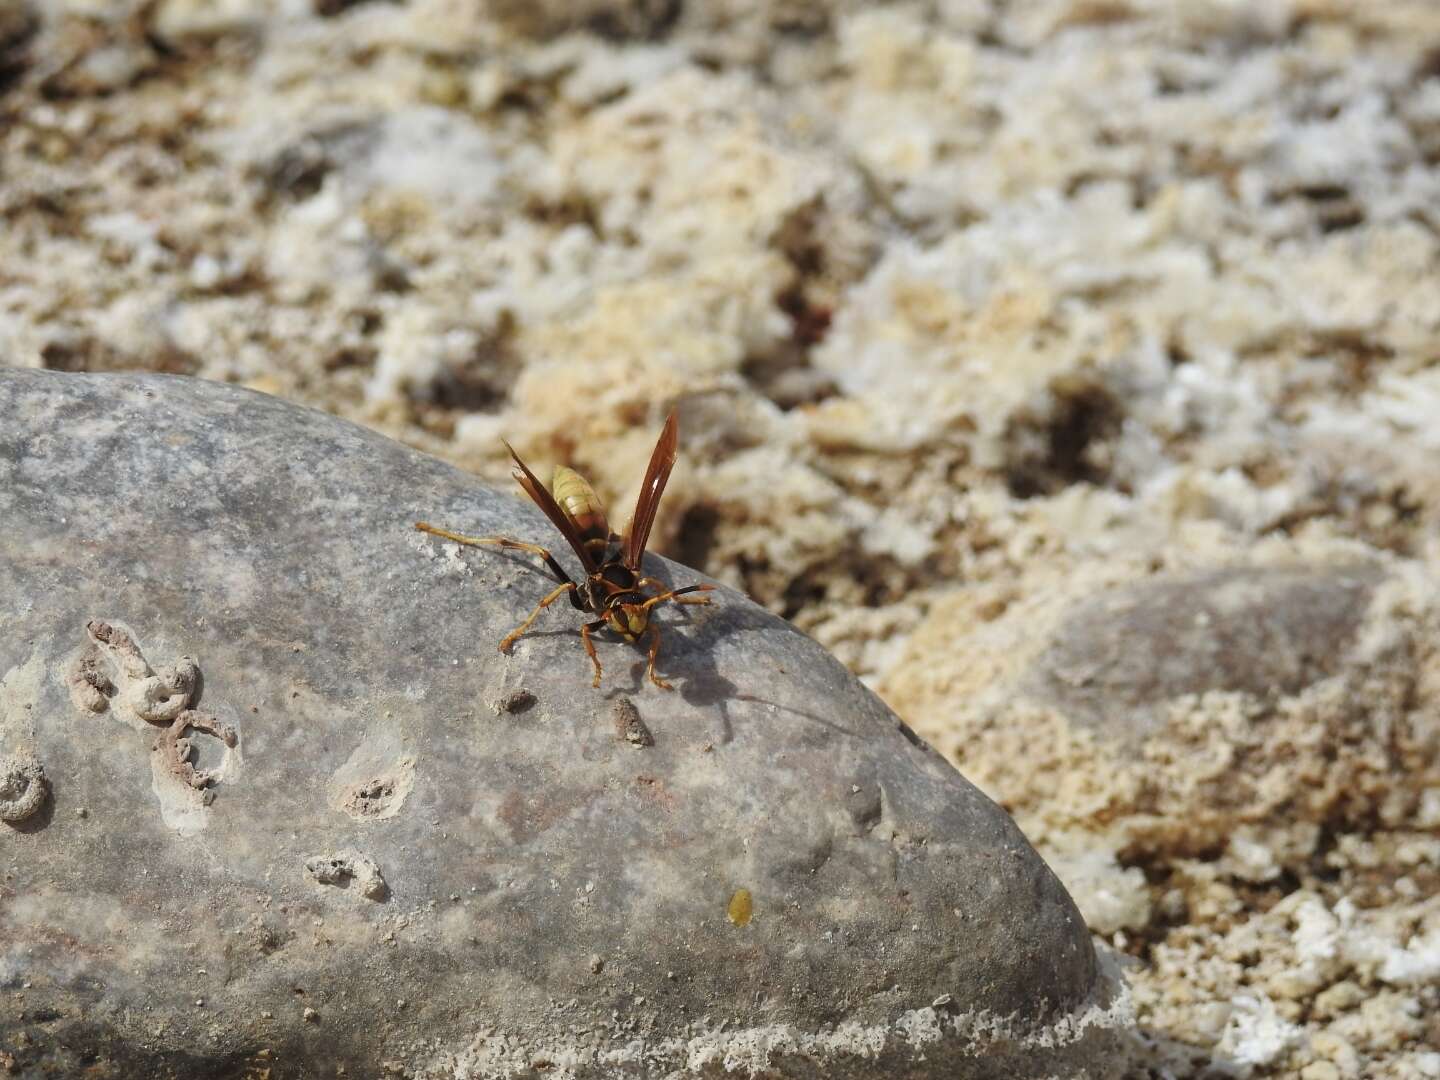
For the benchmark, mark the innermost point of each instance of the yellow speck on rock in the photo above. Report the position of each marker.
(741, 907)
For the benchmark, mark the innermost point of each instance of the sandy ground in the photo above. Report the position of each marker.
(990, 325)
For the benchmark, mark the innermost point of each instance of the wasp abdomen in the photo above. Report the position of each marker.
(580, 504)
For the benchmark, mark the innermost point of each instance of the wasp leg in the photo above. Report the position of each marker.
(554, 595)
(654, 652)
(590, 647)
(645, 582)
(498, 541)
(674, 593)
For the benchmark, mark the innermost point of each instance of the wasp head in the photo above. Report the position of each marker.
(628, 620)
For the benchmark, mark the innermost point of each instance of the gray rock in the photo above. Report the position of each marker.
(229, 649)
(1119, 657)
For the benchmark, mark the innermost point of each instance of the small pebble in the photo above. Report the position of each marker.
(518, 701)
(628, 725)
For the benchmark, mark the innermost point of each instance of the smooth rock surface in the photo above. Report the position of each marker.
(1119, 658)
(201, 891)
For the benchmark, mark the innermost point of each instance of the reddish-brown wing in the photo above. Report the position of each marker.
(662, 460)
(546, 502)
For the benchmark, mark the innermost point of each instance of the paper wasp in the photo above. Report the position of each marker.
(614, 588)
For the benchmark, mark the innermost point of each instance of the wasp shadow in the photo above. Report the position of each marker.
(688, 652)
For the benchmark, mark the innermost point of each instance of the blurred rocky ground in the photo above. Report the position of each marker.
(1017, 346)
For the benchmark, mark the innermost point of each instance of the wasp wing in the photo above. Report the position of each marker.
(546, 502)
(662, 460)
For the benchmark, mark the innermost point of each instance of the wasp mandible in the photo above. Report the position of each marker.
(614, 588)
